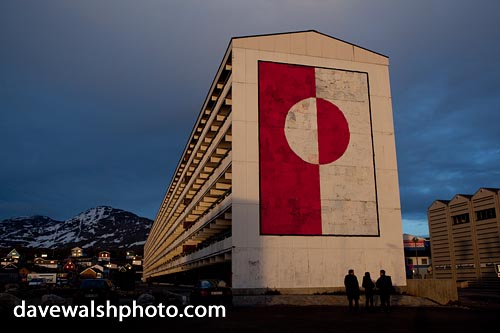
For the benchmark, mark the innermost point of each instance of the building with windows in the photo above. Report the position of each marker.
(76, 252)
(47, 263)
(417, 256)
(289, 177)
(465, 237)
(103, 256)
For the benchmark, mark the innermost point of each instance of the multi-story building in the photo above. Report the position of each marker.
(465, 238)
(289, 177)
(417, 256)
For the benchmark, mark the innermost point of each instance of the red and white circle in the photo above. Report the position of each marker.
(317, 131)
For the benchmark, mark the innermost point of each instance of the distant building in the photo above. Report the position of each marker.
(93, 272)
(9, 267)
(83, 261)
(69, 266)
(130, 255)
(76, 252)
(6, 261)
(110, 266)
(11, 258)
(47, 263)
(104, 256)
(417, 256)
(13, 254)
(137, 261)
(465, 236)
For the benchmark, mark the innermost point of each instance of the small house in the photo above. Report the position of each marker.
(104, 256)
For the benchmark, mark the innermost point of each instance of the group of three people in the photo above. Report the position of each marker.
(383, 285)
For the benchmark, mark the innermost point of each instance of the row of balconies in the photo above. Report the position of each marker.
(223, 77)
(216, 219)
(206, 117)
(216, 252)
(214, 186)
(195, 176)
(204, 135)
(192, 202)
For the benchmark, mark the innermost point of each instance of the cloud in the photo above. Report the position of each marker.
(97, 99)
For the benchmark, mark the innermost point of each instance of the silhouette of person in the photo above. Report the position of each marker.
(352, 290)
(384, 285)
(368, 285)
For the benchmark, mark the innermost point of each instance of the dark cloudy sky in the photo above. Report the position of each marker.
(97, 98)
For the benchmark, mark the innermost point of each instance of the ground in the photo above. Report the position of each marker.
(470, 314)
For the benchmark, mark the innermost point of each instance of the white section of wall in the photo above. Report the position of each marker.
(348, 198)
(301, 130)
(310, 261)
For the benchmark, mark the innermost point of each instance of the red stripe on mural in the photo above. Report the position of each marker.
(289, 187)
(333, 131)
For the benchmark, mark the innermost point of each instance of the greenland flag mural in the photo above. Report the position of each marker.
(316, 152)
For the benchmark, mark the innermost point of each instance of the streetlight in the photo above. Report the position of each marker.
(415, 241)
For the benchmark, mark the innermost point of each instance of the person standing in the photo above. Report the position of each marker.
(368, 285)
(352, 290)
(384, 285)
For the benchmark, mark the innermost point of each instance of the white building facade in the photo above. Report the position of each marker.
(290, 175)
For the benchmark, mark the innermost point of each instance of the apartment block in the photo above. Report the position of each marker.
(289, 177)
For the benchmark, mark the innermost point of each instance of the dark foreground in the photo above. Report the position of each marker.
(293, 319)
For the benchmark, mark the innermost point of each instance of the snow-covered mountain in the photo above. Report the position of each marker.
(99, 227)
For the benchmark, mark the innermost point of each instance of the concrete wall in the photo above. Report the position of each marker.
(440, 291)
(268, 261)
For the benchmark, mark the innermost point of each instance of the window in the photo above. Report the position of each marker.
(462, 218)
(424, 261)
(486, 214)
(410, 261)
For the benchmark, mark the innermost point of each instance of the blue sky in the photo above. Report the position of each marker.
(97, 98)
